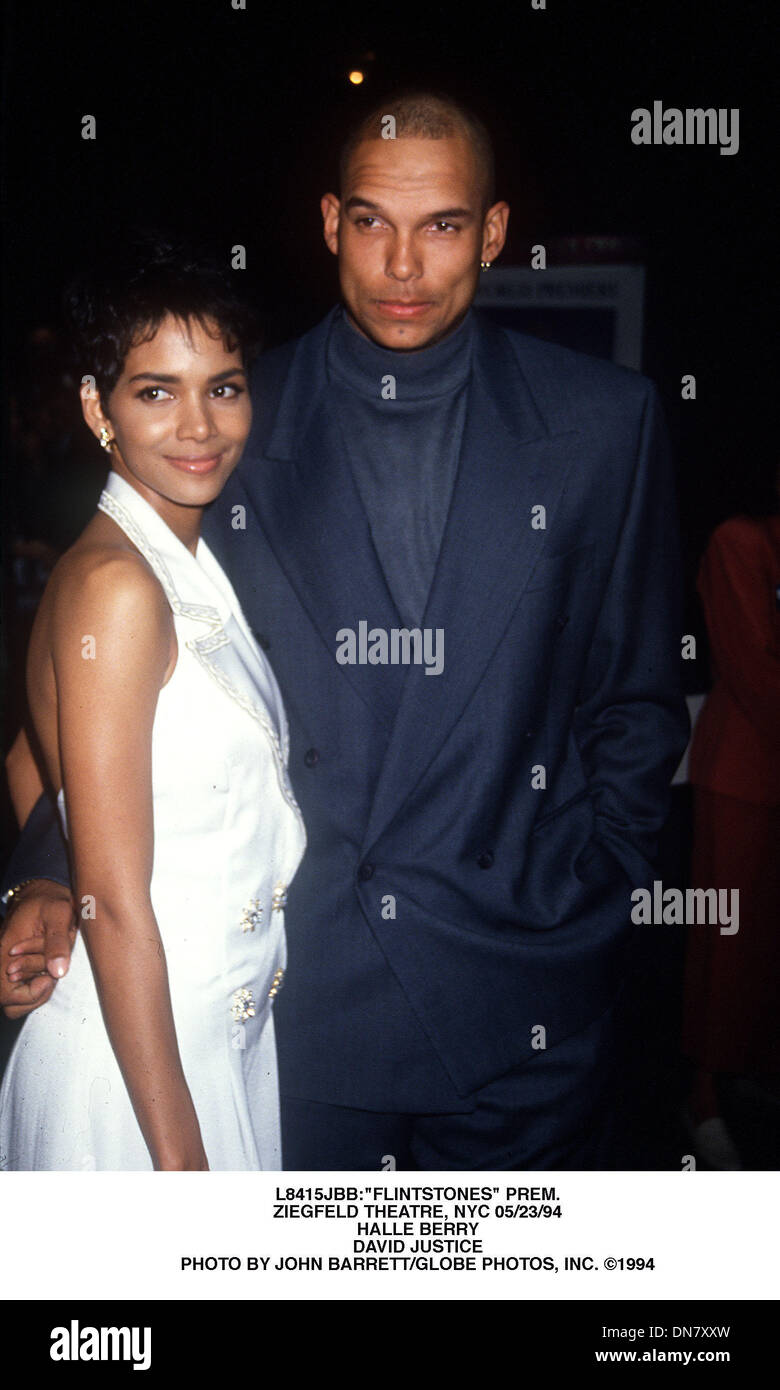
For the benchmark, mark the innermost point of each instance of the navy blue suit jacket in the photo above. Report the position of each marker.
(446, 907)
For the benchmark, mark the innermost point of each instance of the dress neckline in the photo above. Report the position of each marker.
(198, 590)
(138, 506)
(197, 576)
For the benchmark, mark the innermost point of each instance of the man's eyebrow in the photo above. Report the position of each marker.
(355, 202)
(448, 212)
(166, 380)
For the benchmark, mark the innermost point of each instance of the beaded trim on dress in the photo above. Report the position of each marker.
(201, 647)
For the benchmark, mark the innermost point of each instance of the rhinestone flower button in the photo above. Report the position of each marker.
(243, 1006)
(251, 916)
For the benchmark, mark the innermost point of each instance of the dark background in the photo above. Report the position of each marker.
(227, 123)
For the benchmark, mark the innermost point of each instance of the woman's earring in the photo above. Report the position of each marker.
(105, 438)
(486, 264)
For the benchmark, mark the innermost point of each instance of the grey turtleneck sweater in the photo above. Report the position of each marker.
(404, 451)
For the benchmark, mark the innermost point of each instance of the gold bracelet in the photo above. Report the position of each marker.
(16, 890)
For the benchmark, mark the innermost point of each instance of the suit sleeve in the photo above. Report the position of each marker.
(632, 723)
(40, 851)
(735, 589)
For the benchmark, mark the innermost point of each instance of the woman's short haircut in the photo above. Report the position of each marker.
(121, 302)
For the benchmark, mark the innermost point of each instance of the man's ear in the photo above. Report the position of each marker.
(330, 208)
(494, 231)
(92, 408)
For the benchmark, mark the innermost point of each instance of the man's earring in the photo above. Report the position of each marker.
(486, 264)
(105, 438)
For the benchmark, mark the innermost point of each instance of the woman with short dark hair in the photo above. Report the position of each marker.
(161, 728)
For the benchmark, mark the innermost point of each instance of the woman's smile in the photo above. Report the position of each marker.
(194, 463)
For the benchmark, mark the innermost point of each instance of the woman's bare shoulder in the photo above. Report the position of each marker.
(109, 570)
(105, 584)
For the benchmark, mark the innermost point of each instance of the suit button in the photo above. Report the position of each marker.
(485, 859)
(365, 872)
(311, 757)
(561, 622)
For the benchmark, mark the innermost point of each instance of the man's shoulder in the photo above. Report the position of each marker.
(272, 366)
(270, 358)
(562, 378)
(271, 370)
(276, 360)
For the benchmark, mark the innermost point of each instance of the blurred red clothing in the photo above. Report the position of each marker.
(736, 743)
(730, 1014)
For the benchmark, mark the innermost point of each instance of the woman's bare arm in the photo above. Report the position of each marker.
(112, 640)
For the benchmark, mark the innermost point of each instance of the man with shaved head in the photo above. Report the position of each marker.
(460, 552)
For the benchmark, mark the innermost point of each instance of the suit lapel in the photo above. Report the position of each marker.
(509, 463)
(304, 495)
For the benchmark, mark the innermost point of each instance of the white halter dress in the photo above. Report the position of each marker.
(228, 838)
